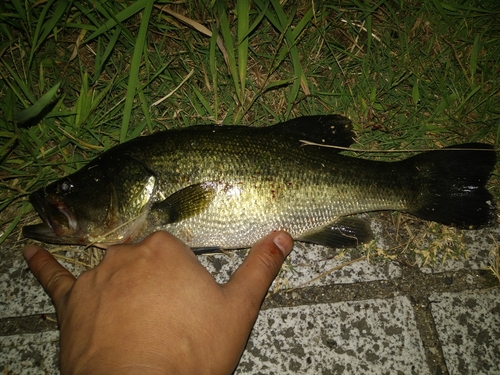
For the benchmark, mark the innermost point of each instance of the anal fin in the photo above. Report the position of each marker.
(345, 232)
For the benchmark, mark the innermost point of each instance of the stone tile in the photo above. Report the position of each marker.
(31, 354)
(468, 326)
(308, 261)
(23, 294)
(305, 263)
(373, 336)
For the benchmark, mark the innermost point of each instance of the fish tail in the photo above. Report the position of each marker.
(452, 185)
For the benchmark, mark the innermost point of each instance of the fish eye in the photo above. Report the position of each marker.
(65, 187)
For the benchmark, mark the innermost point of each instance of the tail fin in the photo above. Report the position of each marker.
(452, 185)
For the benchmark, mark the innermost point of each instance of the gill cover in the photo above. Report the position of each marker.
(99, 203)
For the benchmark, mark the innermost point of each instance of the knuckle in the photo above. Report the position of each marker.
(157, 241)
(270, 260)
(54, 280)
(40, 265)
(156, 238)
(159, 237)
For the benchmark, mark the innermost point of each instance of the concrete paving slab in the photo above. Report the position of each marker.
(363, 317)
(23, 294)
(30, 354)
(376, 336)
(307, 262)
(468, 325)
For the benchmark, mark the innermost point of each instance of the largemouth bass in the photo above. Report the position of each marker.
(227, 186)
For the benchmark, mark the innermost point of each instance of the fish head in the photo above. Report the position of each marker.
(101, 204)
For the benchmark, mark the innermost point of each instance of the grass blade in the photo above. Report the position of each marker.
(212, 61)
(44, 28)
(134, 68)
(291, 40)
(126, 13)
(415, 94)
(84, 102)
(242, 11)
(101, 60)
(24, 88)
(52, 22)
(442, 12)
(11, 139)
(225, 30)
(258, 19)
(33, 111)
(476, 47)
(24, 209)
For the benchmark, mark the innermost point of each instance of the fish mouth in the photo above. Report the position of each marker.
(59, 224)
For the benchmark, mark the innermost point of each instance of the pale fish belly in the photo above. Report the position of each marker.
(241, 214)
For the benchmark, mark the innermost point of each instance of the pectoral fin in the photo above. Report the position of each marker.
(184, 203)
(345, 232)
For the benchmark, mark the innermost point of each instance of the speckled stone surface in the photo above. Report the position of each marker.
(23, 294)
(367, 337)
(304, 264)
(308, 261)
(365, 317)
(30, 354)
(468, 325)
(375, 336)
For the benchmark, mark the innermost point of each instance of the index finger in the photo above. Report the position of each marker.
(55, 279)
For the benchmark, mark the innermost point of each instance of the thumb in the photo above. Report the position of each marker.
(251, 281)
(55, 279)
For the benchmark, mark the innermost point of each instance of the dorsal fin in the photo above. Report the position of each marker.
(335, 130)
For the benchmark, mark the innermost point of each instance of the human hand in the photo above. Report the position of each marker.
(152, 308)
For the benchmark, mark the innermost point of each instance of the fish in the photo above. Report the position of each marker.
(225, 187)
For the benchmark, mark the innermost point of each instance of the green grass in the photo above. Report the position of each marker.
(410, 75)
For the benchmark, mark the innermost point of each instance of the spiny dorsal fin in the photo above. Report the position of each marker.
(335, 130)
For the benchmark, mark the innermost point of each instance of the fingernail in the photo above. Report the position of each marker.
(29, 251)
(282, 240)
